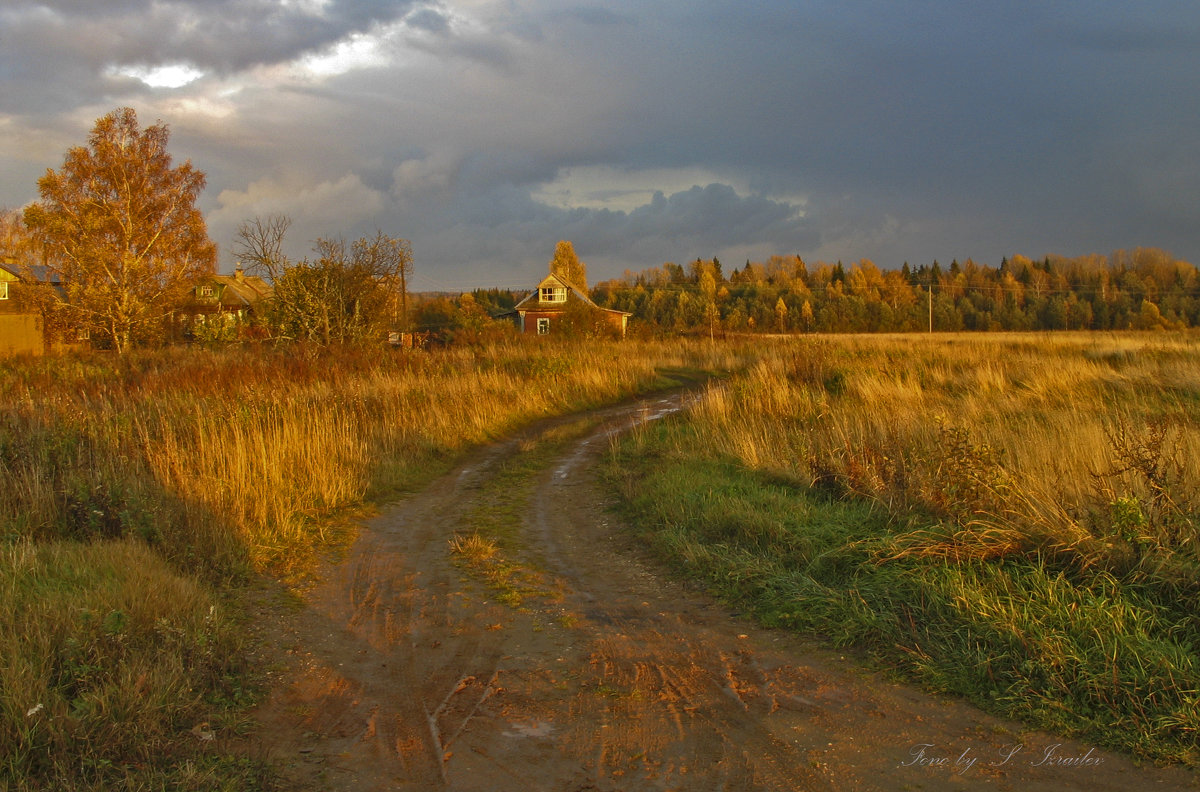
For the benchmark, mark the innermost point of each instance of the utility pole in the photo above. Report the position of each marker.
(931, 301)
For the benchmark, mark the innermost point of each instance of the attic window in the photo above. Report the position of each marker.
(553, 294)
(3, 290)
(204, 291)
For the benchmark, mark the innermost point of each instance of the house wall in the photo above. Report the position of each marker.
(618, 321)
(21, 334)
(531, 318)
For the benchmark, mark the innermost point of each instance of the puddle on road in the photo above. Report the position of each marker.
(645, 414)
(533, 729)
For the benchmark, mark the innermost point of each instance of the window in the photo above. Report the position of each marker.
(543, 326)
(3, 290)
(204, 291)
(553, 294)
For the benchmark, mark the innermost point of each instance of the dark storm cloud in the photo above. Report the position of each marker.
(487, 130)
(515, 235)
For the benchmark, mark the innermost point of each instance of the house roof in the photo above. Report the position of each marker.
(247, 289)
(233, 291)
(39, 272)
(533, 300)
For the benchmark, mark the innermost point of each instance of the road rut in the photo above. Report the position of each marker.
(403, 671)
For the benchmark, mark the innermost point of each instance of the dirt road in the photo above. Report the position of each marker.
(405, 671)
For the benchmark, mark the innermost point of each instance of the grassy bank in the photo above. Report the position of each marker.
(139, 494)
(1009, 518)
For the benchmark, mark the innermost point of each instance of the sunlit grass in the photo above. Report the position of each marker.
(136, 488)
(1026, 515)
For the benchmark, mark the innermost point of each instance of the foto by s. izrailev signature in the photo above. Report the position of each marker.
(932, 756)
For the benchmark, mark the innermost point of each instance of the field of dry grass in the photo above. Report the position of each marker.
(1010, 517)
(139, 494)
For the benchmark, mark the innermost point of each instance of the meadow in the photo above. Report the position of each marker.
(142, 496)
(1009, 518)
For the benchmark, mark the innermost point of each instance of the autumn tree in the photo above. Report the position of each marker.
(567, 266)
(118, 227)
(347, 293)
(258, 244)
(781, 312)
(389, 260)
(14, 237)
(708, 288)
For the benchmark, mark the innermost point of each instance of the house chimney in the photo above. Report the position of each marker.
(237, 272)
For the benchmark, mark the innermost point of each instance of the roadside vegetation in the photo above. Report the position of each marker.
(1014, 519)
(143, 493)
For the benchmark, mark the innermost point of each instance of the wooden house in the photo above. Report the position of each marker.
(23, 329)
(556, 306)
(233, 296)
(219, 305)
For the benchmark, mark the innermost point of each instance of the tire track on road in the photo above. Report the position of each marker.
(407, 674)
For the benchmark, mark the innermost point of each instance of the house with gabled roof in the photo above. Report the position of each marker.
(236, 295)
(220, 304)
(556, 306)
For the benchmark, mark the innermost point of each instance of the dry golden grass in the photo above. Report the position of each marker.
(234, 453)
(905, 419)
(141, 485)
(1014, 518)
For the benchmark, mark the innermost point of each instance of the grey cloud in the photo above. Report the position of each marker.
(913, 130)
(712, 216)
(222, 35)
(595, 16)
(508, 234)
(429, 20)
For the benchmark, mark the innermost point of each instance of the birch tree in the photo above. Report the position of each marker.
(119, 228)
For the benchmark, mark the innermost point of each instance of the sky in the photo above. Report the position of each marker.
(484, 131)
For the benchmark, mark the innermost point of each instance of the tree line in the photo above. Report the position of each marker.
(1146, 289)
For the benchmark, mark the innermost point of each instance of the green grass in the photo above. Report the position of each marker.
(99, 677)
(489, 545)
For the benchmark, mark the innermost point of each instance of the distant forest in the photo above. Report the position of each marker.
(1144, 288)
